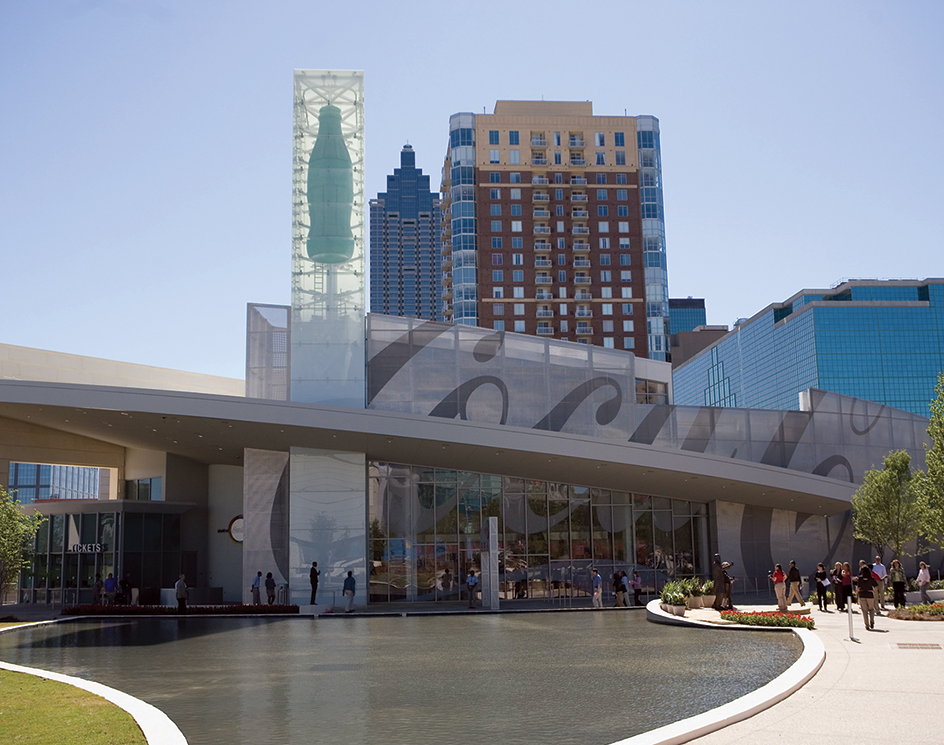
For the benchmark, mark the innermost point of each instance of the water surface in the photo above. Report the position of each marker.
(587, 678)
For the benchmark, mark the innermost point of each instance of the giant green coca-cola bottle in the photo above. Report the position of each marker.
(330, 192)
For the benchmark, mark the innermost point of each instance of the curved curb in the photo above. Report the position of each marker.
(789, 681)
(158, 728)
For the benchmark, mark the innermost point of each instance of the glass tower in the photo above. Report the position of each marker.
(405, 262)
(460, 267)
(328, 241)
(653, 235)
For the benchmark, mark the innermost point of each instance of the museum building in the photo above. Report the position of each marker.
(408, 452)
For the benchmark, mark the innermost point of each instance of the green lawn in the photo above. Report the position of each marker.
(36, 711)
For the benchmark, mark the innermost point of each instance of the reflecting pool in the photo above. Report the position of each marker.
(588, 678)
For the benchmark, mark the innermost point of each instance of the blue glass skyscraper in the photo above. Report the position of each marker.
(878, 340)
(405, 261)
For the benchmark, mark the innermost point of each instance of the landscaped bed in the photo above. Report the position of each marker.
(769, 618)
(165, 610)
(923, 612)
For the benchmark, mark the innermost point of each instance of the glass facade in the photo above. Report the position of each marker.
(29, 482)
(686, 314)
(653, 236)
(462, 225)
(425, 528)
(328, 239)
(70, 549)
(878, 341)
(405, 261)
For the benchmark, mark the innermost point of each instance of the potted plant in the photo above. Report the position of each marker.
(708, 593)
(673, 598)
(693, 594)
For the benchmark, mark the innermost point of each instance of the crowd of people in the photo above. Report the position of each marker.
(869, 583)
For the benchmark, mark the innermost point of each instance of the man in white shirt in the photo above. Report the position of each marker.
(881, 574)
(597, 589)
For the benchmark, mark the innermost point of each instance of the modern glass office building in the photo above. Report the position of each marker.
(877, 340)
(405, 259)
(686, 313)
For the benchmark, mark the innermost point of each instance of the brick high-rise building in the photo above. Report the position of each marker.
(553, 225)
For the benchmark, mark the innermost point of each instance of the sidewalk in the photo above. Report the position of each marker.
(875, 690)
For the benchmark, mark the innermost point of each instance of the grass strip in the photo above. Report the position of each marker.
(36, 711)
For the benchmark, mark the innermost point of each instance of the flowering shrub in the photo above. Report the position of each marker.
(923, 612)
(771, 618)
(165, 610)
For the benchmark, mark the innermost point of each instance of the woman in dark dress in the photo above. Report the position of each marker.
(836, 579)
(820, 577)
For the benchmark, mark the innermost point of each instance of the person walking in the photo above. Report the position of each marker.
(313, 574)
(881, 575)
(846, 584)
(637, 588)
(836, 577)
(348, 590)
(472, 583)
(779, 578)
(256, 584)
(180, 590)
(618, 590)
(728, 601)
(97, 589)
(865, 589)
(896, 575)
(924, 579)
(717, 579)
(822, 582)
(625, 581)
(597, 582)
(270, 588)
(794, 584)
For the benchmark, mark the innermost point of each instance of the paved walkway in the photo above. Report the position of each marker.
(886, 687)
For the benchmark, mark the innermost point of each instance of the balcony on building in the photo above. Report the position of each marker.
(581, 246)
(540, 261)
(447, 262)
(580, 214)
(582, 263)
(578, 162)
(584, 329)
(538, 141)
(540, 196)
(584, 313)
(545, 313)
(543, 279)
(542, 246)
(542, 213)
(576, 142)
(579, 230)
(582, 279)
(579, 198)
(542, 229)
(543, 295)
(539, 180)
(578, 180)
(545, 330)
(538, 159)
(446, 279)
(583, 295)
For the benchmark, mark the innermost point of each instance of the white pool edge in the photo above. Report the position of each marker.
(158, 728)
(789, 681)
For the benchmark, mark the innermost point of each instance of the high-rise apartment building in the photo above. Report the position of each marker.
(553, 225)
(405, 260)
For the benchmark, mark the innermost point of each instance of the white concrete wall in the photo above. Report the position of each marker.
(225, 556)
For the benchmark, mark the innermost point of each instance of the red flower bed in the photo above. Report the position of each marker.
(769, 618)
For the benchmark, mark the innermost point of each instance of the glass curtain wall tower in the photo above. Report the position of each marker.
(459, 278)
(405, 262)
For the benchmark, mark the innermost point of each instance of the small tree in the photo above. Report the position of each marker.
(17, 531)
(886, 508)
(930, 484)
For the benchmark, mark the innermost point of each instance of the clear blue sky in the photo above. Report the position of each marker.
(145, 146)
